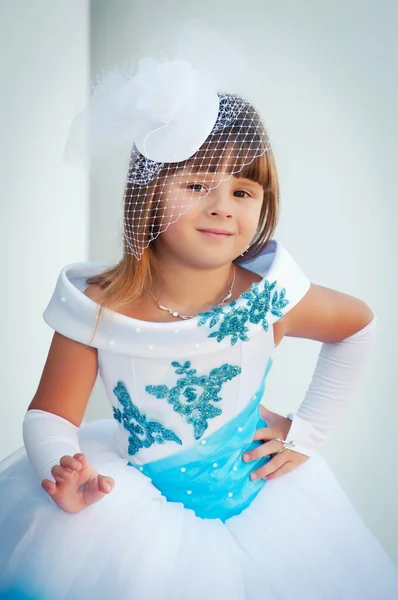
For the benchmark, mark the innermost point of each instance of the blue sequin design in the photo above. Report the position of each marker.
(143, 433)
(193, 394)
(212, 479)
(234, 321)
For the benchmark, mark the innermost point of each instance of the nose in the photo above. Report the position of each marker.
(219, 203)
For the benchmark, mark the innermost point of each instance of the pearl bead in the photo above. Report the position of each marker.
(189, 492)
(183, 469)
(111, 342)
(137, 329)
(63, 299)
(176, 330)
(230, 494)
(240, 429)
(141, 468)
(215, 465)
(197, 345)
(203, 442)
(150, 347)
(235, 468)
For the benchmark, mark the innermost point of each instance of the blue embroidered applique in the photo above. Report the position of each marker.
(192, 395)
(143, 433)
(234, 319)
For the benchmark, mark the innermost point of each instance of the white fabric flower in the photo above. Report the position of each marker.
(176, 110)
(167, 111)
(156, 85)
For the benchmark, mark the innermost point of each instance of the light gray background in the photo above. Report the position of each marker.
(327, 72)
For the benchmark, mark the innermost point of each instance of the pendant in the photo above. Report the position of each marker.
(174, 313)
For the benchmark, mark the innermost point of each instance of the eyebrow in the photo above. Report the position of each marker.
(249, 182)
(205, 173)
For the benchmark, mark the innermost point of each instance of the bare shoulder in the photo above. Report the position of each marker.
(93, 291)
(326, 315)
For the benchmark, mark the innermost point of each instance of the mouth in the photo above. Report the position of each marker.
(216, 233)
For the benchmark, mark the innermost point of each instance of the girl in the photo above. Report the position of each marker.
(194, 490)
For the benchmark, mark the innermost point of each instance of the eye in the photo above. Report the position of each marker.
(243, 192)
(196, 185)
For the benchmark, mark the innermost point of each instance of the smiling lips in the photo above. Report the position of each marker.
(216, 233)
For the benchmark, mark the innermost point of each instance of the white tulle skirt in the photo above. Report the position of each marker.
(299, 539)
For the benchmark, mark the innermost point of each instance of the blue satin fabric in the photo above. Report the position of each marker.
(211, 478)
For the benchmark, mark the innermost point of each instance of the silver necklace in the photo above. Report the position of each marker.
(175, 313)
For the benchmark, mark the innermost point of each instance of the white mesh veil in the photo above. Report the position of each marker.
(182, 138)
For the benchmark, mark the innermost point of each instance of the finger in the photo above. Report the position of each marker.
(264, 412)
(105, 484)
(265, 449)
(82, 458)
(49, 487)
(271, 466)
(265, 433)
(286, 468)
(61, 474)
(71, 463)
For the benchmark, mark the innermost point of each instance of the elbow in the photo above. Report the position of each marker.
(367, 316)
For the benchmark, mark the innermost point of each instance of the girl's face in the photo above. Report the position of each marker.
(219, 226)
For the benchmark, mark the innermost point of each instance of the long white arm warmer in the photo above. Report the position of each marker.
(338, 371)
(48, 437)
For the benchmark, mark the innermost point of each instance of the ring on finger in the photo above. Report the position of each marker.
(285, 443)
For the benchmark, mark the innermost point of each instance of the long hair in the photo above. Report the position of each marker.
(132, 279)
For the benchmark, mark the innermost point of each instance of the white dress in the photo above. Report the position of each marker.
(184, 521)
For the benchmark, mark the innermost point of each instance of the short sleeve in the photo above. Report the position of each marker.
(70, 312)
(287, 281)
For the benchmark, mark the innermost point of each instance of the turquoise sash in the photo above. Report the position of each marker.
(210, 477)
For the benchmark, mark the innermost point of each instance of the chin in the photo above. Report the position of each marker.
(212, 258)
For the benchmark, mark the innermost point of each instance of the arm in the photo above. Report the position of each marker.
(67, 380)
(51, 423)
(325, 315)
(50, 427)
(346, 326)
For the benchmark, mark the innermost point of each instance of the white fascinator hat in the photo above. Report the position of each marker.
(168, 120)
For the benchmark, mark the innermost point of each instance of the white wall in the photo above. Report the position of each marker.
(328, 79)
(43, 204)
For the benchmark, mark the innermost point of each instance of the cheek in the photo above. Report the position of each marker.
(249, 216)
(177, 233)
(176, 202)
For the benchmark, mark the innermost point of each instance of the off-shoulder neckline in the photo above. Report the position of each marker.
(88, 269)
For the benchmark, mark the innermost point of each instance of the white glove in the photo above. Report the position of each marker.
(338, 371)
(48, 437)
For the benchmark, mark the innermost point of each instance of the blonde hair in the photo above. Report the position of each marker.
(132, 279)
